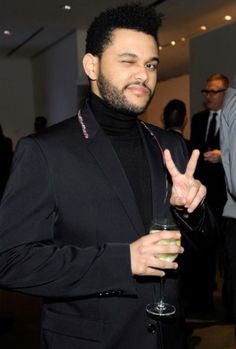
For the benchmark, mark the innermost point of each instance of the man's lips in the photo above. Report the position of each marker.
(138, 90)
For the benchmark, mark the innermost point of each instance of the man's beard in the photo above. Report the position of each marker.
(116, 98)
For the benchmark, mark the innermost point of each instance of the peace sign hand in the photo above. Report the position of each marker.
(186, 190)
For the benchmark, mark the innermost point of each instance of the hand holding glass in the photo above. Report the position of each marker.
(159, 225)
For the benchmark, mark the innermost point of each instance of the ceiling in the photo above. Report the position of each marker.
(39, 24)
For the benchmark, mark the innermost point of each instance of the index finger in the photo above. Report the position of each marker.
(170, 165)
(192, 164)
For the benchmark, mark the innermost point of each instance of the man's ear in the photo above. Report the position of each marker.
(90, 64)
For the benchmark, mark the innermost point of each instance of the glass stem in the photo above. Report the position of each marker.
(161, 293)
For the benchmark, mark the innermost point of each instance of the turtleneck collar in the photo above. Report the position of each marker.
(113, 122)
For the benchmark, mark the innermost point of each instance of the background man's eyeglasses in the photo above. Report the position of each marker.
(212, 92)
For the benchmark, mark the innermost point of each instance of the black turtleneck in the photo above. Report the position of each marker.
(123, 132)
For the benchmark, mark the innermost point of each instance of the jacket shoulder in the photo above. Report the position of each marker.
(55, 138)
(58, 128)
(200, 115)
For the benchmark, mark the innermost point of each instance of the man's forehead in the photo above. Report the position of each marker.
(215, 83)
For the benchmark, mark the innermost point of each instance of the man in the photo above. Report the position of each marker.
(78, 205)
(228, 146)
(210, 169)
(205, 137)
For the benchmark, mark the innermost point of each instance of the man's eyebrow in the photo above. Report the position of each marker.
(127, 54)
(133, 55)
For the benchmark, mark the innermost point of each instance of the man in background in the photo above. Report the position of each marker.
(175, 119)
(205, 136)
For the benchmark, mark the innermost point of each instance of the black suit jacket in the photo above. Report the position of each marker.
(186, 141)
(198, 129)
(66, 221)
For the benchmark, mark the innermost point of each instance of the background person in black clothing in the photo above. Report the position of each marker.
(175, 119)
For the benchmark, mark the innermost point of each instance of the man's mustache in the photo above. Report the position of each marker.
(139, 83)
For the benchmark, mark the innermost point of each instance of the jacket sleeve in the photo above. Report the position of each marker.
(30, 259)
(200, 225)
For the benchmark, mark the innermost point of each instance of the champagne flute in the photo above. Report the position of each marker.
(161, 308)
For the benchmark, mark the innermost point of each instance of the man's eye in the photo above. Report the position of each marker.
(151, 66)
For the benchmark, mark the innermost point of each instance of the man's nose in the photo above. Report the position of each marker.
(141, 74)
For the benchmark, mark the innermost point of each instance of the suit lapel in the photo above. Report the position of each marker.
(101, 149)
(160, 185)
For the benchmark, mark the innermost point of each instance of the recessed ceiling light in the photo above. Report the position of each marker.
(183, 39)
(66, 7)
(228, 18)
(203, 27)
(173, 43)
(7, 32)
(160, 47)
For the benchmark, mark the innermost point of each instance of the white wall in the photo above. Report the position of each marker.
(167, 90)
(213, 52)
(16, 91)
(55, 73)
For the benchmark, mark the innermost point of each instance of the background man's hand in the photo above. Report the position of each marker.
(213, 156)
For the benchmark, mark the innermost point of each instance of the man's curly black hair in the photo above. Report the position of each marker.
(130, 16)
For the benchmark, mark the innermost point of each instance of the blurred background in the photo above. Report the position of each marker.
(42, 43)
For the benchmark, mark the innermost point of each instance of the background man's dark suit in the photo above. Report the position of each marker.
(74, 218)
(198, 128)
